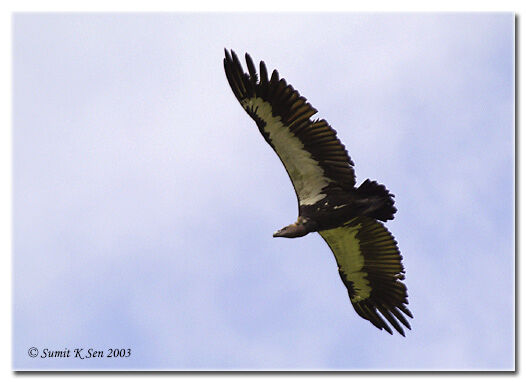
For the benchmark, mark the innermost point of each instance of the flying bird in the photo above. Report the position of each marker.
(347, 217)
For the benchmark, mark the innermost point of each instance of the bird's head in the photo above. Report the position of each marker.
(300, 228)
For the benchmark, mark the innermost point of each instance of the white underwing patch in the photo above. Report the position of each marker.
(306, 174)
(346, 248)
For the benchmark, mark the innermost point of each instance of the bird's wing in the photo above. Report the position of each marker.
(370, 266)
(313, 156)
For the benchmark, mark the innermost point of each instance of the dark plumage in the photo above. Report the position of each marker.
(322, 173)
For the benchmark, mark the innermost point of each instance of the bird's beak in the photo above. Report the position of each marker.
(284, 232)
(293, 230)
(278, 233)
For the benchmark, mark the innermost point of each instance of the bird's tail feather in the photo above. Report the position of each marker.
(381, 201)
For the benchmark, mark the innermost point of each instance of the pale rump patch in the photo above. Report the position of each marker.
(346, 249)
(306, 174)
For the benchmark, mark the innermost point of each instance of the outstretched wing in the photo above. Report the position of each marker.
(313, 156)
(370, 266)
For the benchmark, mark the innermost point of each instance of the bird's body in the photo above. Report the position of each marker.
(329, 202)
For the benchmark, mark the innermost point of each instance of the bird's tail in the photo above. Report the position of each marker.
(380, 201)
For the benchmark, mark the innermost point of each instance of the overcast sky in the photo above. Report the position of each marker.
(145, 198)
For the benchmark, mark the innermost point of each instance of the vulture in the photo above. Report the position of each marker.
(347, 217)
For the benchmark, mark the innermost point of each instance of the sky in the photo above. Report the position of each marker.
(144, 197)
